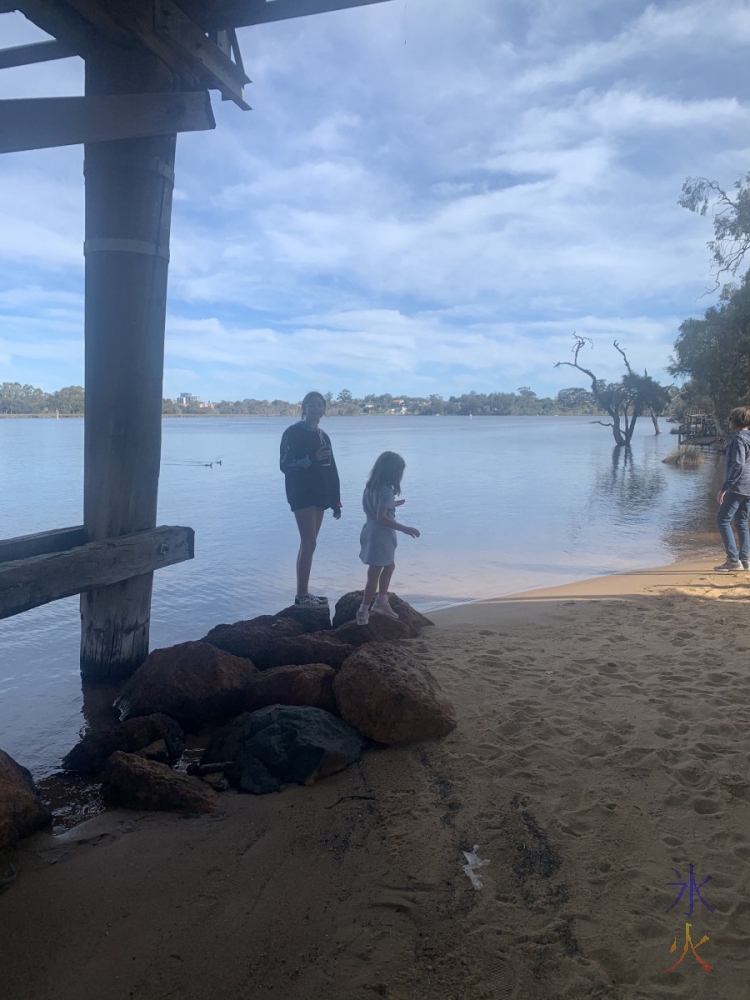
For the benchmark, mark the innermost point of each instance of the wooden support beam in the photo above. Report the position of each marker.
(25, 55)
(40, 122)
(64, 23)
(185, 38)
(241, 13)
(42, 542)
(128, 215)
(28, 583)
(160, 26)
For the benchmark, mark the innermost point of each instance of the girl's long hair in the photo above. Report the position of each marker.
(387, 471)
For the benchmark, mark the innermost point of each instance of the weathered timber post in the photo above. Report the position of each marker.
(128, 213)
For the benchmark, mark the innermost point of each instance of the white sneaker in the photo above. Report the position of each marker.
(383, 608)
(363, 616)
(310, 601)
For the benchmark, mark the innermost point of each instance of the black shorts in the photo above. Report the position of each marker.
(305, 494)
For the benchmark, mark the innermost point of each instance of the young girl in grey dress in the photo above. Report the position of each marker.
(378, 537)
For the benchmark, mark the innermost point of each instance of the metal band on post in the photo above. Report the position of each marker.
(160, 167)
(105, 244)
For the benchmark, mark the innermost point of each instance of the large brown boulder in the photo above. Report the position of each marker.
(136, 783)
(379, 629)
(21, 809)
(312, 619)
(90, 755)
(310, 647)
(389, 696)
(346, 611)
(256, 637)
(194, 682)
(305, 684)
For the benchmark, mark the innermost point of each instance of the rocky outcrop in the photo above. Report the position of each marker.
(194, 682)
(388, 696)
(312, 619)
(378, 629)
(346, 610)
(256, 637)
(282, 744)
(21, 809)
(304, 684)
(310, 647)
(136, 783)
(90, 755)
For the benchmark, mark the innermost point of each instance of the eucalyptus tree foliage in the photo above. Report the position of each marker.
(626, 400)
(731, 217)
(714, 352)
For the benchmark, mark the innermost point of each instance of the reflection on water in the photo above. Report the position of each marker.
(504, 504)
(634, 486)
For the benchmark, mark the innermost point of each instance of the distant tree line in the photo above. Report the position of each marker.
(26, 399)
(525, 402)
(239, 408)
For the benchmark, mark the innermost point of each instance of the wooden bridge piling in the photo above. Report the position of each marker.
(128, 213)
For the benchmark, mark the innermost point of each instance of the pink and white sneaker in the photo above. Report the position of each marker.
(381, 606)
(363, 616)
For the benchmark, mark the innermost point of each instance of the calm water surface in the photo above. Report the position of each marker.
(504, 504)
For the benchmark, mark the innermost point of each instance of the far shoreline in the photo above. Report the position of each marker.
(329, 416)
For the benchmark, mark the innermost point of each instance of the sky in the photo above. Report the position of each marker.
(427, 197)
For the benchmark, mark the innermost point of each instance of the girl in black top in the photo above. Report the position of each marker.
(312, 485)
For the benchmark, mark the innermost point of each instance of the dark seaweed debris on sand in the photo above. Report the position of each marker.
(534, 853)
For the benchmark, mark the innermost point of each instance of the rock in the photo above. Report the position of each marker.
(310, 647)
(195, 682)
(312, 619)
(346, 610)
(256, 637)
(21, 809)
(391, 697)
(155, 751)
(137, 783)
(304, 684)
(281, 744)
(90, 755)
(379, 629)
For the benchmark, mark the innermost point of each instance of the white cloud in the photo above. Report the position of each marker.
(429, 195)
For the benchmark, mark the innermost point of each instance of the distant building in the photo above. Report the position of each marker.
(186, 398)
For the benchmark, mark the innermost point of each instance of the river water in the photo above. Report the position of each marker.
(504, 504)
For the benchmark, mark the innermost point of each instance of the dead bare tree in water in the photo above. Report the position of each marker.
(625, 400)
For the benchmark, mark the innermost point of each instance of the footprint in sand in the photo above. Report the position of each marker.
(706, 806)
(672, 841)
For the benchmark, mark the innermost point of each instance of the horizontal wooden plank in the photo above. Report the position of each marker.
(38, 52)
(28, 583)
(40, 122)
(60, 20)
(240, 13)
(39, 544)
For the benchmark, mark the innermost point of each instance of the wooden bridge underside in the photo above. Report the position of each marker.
(149, 67)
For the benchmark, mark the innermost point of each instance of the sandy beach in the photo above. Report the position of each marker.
(603, 745)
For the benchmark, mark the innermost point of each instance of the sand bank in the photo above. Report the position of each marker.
(603, 743)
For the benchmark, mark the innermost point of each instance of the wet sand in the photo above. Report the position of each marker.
(603, 743)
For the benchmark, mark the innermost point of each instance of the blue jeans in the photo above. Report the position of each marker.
(734, 508)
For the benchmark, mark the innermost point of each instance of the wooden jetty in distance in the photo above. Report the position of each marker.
(149, 67)
(699, 429)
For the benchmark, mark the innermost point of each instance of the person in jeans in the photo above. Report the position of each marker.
(734, 496)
